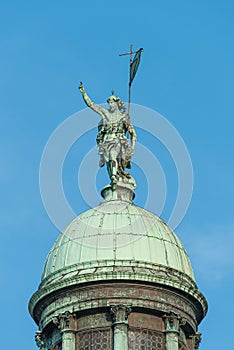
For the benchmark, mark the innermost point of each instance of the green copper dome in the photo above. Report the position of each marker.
(116, 233)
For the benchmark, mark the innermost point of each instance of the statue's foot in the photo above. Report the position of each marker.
(125, 175)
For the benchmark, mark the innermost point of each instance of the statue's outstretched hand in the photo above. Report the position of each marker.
(81, 87)
(85, 96)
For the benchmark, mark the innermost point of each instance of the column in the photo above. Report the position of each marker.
(172, 324)
(67, 324)
(120, 325)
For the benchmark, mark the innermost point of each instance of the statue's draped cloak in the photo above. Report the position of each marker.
(112, 141)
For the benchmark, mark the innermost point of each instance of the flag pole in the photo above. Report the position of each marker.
(129, 85)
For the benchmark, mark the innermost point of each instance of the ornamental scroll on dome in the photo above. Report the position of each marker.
(114, 148)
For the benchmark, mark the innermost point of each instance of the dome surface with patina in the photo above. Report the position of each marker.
(114, 232)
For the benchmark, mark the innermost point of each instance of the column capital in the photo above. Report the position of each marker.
(65, 321)
(40, 339)
(120, 313)
(173, 322)
(196, 340)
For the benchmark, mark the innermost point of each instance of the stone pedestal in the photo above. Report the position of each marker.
(124, 191)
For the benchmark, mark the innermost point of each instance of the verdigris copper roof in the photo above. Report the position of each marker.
(116, 233)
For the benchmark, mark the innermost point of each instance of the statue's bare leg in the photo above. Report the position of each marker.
(114, 151)
(114, 174)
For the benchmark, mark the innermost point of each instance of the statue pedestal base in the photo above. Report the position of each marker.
(124, 191)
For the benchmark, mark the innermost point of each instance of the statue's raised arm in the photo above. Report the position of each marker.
(95, 107)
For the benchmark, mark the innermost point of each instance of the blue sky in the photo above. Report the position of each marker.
(186, 74)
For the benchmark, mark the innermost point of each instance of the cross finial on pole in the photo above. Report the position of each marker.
(128, 53)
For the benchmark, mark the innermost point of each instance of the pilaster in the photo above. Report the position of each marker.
(120, 326)
(172, 330)
(66, 322)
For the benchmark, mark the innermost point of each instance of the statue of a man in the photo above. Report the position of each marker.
(115, 150)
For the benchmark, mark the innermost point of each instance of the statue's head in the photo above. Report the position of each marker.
(115, 102)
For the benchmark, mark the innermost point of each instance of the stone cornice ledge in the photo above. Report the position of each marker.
(167, 277)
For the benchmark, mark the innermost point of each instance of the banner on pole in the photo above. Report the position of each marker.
(134, 65)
